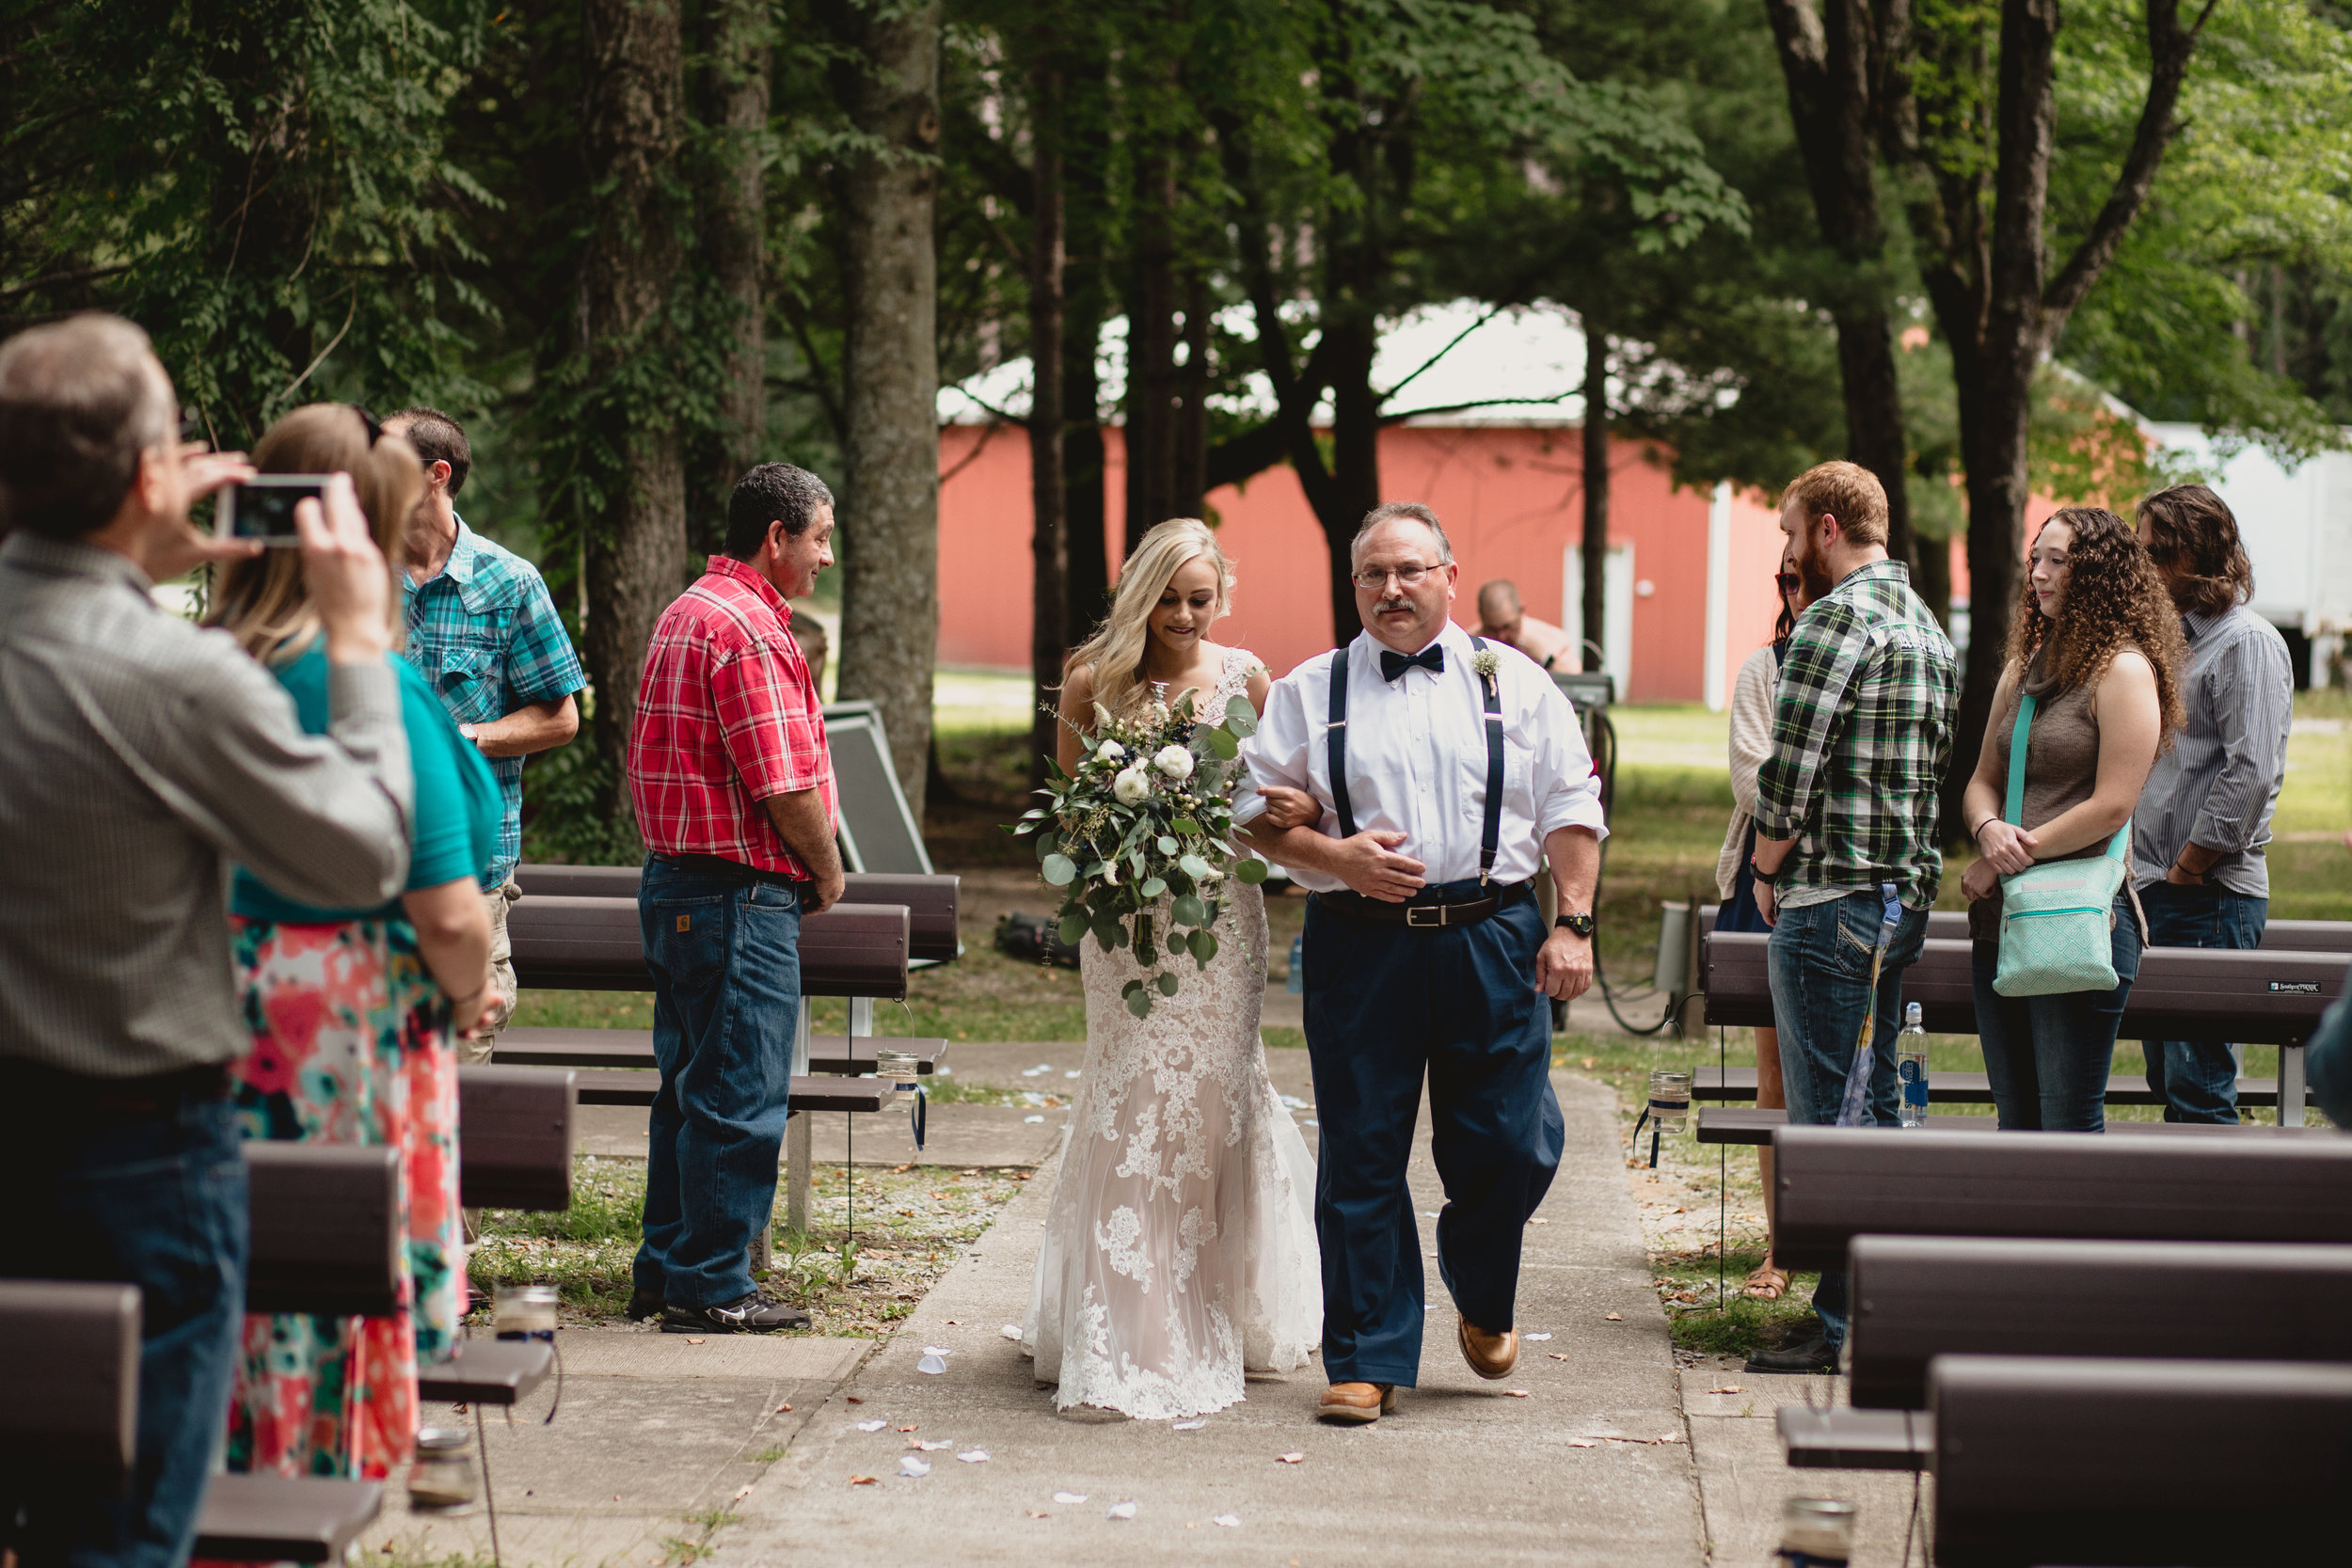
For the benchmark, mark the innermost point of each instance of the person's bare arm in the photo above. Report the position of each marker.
(2006, 847)
(453, 935)
(532, 728)
(1368, 863)
(800, 820)
(1564, 965)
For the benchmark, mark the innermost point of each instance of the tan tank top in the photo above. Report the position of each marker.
(2061, 768)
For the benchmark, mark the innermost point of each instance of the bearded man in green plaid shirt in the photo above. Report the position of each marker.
(1848, 808)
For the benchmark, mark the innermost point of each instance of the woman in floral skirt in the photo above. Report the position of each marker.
(351, 1010)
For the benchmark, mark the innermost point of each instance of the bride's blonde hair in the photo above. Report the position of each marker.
(1116, 648)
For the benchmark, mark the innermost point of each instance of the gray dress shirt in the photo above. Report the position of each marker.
(137, 755)
(2218, 785)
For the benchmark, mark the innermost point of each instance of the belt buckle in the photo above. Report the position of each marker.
(1436, 912)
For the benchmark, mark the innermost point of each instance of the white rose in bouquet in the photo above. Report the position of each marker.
(1110, 751)
(1131, 786)
(1174, 761)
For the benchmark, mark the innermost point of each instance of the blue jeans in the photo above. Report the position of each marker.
(727, 1000)
(1821, 968)
(2198, 1080)
(155, 1198)
(2047, 1058)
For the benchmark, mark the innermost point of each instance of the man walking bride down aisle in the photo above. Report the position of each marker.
(1447, 768)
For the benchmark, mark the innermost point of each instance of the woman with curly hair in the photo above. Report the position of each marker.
(2097, 644)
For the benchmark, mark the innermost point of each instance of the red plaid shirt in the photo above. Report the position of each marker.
(726, 716)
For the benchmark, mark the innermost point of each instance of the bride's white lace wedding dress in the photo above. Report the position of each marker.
(1180, 1248)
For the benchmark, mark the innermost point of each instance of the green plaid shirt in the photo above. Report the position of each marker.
(1862, 736)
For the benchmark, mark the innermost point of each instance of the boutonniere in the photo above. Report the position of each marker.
(1488, 664)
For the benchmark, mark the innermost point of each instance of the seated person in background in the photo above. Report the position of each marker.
(138, 756)
(1502, 617)
(351, 1010)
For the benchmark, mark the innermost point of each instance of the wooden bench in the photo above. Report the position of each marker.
(514, 1137)
(2291, 936)
(633, 1048)
(857, 950)
(70, 1373)
(931, 902)
(635, 1086)
(1833, 1184)
(325, 1228)
(1748, 1124)
(2262, 997)
(1916, 1298)
(1974, 1088)
(2183, 1464)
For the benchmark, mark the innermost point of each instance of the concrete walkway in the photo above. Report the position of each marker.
(1592, 1466)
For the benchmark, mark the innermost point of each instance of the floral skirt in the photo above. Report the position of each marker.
(350, 1046)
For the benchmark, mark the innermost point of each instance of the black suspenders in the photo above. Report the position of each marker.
(1335, 741)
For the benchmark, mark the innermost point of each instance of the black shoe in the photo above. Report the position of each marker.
(754, 1314)
(1816, 1354)
(643, 1305)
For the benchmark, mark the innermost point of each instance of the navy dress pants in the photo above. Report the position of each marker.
(1388, 1006)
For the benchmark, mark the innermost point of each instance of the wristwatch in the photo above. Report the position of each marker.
(1580, 924)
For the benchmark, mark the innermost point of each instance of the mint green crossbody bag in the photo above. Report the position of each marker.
(2056, 935)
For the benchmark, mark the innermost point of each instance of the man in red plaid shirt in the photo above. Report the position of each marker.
(734, 794)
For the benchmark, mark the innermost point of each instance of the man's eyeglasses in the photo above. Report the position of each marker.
(1789, 583)
(1373, 579)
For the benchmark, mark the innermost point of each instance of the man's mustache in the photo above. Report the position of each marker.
(1386, 605)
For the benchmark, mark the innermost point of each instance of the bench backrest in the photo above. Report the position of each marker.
(931, 901)
(69, 1376)
(2293, 936)
(2264, 997)
(2048, 1459)
(325, 1228)
(596, 944)
(1919, 1297)
(514, 1129)
(1833, 1184)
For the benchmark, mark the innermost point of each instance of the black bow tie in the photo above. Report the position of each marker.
(1431, 658)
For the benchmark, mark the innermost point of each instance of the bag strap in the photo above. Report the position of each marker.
(1335, 741)
(2013, 811)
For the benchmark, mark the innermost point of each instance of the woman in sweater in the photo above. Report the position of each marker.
(352, 1011)
(1735, 883)
(2097, 644)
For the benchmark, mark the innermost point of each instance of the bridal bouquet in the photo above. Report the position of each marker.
(1144, 815)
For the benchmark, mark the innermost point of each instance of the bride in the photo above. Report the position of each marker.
(1180, 1248)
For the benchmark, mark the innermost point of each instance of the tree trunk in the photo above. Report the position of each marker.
(1834, 67)
(732, 197)
(1354, 487)
(1596, 605)
(1048, 640)
(889, 508)
(1152, 349)
(637, 543)
(1086, 112)
(1190, 496)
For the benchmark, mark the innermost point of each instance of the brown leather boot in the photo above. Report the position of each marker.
(1490, 1355)
(1357, 1403)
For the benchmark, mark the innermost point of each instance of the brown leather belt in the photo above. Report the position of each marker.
(1423, 917)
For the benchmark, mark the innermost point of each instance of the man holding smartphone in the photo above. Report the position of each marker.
(138, 756)
(484, 632)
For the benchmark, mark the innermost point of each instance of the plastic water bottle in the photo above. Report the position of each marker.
(1911, 1067)
(1297, 982)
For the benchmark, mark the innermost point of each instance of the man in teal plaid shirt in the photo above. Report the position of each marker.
(1847, 805)
(485, 633)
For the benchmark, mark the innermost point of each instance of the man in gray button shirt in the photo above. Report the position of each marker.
(2204, 815)
(139, 755)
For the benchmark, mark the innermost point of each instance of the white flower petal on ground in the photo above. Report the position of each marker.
(1032, 1118)
(1121, 1511)
(1066, 1498)
(919, 1446)
(931, 1363)
(1174, 761)
(912, 1468)
(1536, 1336)
(1010, 1331)
(1230, 1521)
(871, 1426)
(974, 1456)
(1131, 786)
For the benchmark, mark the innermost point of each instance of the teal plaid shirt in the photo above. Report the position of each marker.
(487, 638)
(1862, 737)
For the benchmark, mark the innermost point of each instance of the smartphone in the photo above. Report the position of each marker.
(263, 507)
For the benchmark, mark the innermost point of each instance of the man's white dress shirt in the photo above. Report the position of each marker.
(1417, 759)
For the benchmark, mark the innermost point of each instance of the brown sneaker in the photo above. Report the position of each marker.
(1357, 1403)
(1490, 1355)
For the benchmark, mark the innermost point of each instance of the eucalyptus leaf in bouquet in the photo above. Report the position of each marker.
(1137, 836)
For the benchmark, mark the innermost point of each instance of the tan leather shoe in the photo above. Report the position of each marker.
(1357, 1403)
(1490, 1355)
